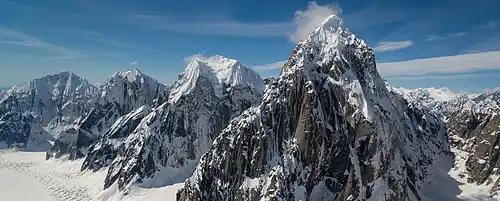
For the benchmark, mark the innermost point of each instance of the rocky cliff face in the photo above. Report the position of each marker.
(51, 100)
(104, 151)
(21, 130)
(120, 94)
(327, 128)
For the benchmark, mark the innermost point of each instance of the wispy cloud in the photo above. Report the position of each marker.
(116, 55)
(388, 46)
(105, 39)
(215, 27)
(485, 44)
(14, 37)
(447, 64)
(459, 34)
(434, 37)
(490, 25)
(446, 76)
(198, 56)
(271, 66)
(62, 58)
(303, 22)
(307, 20)
(434, 67)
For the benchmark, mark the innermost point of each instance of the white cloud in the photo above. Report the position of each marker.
(306, 21)
(271, 66)
(134, 63)
(14, 37)
(387, 46)
(434, 37)
(436, 65)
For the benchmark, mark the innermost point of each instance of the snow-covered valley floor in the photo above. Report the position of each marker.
(28, 176)
(445, 183)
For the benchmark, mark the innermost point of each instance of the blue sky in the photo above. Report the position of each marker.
(95, 38)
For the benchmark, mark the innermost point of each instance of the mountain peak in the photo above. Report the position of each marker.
(332, 49)
(216, 62)
(62, 79)
(220, 72)
(132, 75)
(333, 32)
(331, 42)
(64, 74)
(332, 22)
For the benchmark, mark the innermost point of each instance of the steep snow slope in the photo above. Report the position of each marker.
(168, 142)
(327, 128)
(120, 94)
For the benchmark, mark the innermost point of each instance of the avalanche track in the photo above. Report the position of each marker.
(28, 176)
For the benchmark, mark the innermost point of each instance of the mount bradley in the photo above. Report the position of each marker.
(327, 129)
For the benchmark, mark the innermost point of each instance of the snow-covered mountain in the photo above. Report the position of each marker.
(427, 96)
(54, 99)
(220, 72)
(326, 129)
(120, 94)
(46, 97)
(166, 144)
